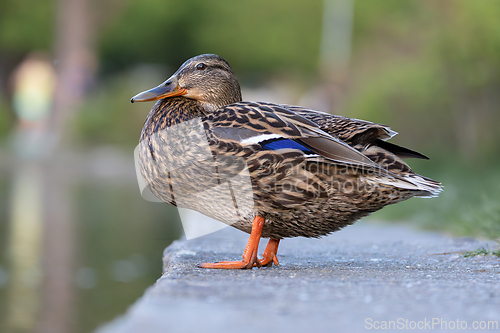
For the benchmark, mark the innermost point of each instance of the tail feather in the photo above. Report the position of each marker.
(432, 187)
(423, 187)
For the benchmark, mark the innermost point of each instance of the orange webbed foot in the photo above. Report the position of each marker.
(269, 256)
(249, 255)
(231, 264)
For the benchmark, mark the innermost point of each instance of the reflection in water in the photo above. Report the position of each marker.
(118, 244)
(58, 251)
(34, 82)
(121, 240)
(127, 270)
(24, 249)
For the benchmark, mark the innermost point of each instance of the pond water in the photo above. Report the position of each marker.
(87, 268)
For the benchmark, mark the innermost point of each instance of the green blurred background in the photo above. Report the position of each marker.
(78, 244)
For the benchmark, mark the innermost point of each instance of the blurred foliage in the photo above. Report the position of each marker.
(108, 117)
(254, 35)
(430, 64)
(26, 25)
(430, 69)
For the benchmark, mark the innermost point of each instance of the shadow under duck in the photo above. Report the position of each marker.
(309, 173)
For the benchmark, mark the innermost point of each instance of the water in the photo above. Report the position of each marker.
(86, 270)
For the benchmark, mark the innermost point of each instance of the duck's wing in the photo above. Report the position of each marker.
(357, 133)
(273, 127)
(252, 128)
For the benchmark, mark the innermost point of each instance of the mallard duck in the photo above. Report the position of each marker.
(310, 173)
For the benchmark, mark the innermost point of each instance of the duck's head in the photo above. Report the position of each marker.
(207, 79)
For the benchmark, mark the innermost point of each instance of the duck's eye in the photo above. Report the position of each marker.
(201, 66)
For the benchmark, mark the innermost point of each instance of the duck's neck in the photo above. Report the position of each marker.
(171, 111)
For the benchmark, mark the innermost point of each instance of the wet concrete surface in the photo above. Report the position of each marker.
(369, 276)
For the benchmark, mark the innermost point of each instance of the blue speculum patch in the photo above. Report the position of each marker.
(275, 144)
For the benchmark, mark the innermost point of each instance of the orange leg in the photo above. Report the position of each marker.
(250, 253)
(269, 255)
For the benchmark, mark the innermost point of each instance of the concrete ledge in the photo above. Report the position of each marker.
(342, 283)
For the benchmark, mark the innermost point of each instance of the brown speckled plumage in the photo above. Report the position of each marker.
(342, 170)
